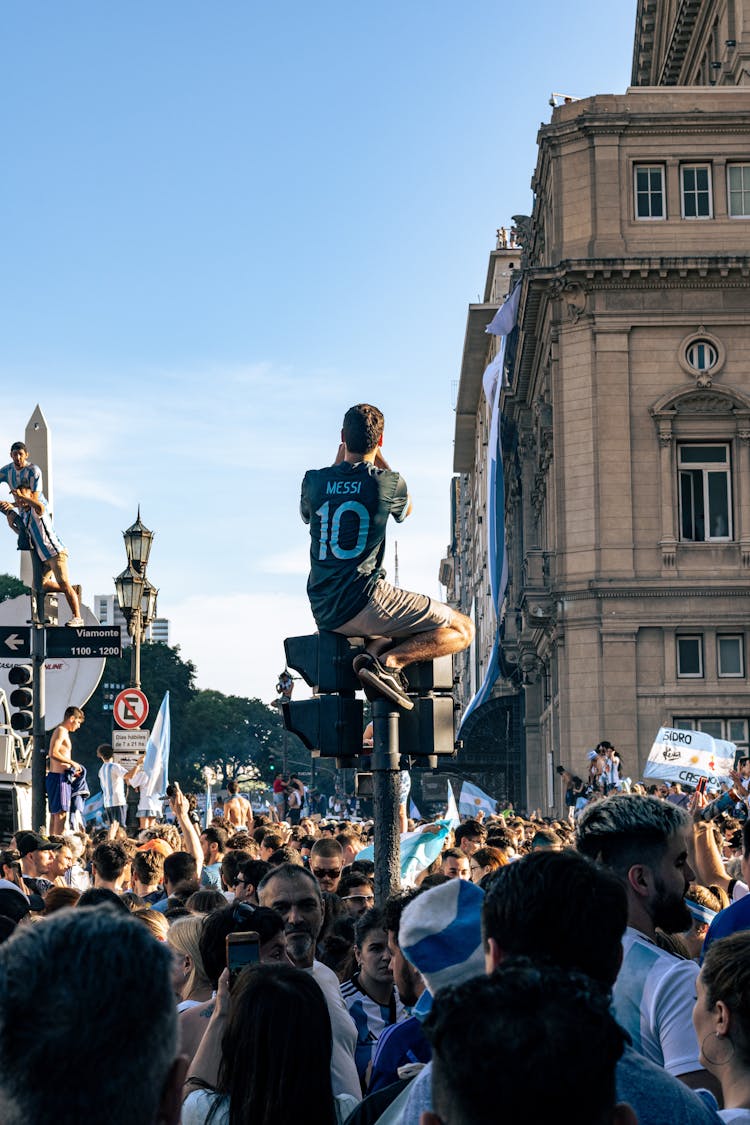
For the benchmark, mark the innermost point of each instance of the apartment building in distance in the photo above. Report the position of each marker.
(626, 422)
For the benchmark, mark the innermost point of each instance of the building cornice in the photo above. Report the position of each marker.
(686, 590)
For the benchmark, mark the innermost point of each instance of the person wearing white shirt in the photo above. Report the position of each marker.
(645, 841)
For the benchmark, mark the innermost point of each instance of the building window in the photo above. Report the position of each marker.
(690, 656)
(695, 188)
(705, 493)
(730, 655)
(702, 355)
(738, 188)
(649, 191)
(729, 730)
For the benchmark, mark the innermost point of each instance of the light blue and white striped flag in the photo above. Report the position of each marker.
(156, 762)
(209, 808)
(497, 554)
(418, 849)
(473, 799)
(414, 813)
(93, 808)
(452, 817)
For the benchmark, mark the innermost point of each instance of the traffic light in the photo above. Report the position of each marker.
(324, 660)
(22, 677)
(331, 722)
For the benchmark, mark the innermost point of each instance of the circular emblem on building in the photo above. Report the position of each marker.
(702, 355)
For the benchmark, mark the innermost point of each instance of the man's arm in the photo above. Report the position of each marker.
(709, 865)
(191, 839)
(31, 498)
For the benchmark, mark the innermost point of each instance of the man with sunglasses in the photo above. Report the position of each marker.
(327, 864)
(357, 894)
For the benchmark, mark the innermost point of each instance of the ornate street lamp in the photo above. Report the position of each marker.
(138, 541)
(136, 596)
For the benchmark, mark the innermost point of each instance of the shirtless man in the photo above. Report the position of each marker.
(237, 809)
(60, 762)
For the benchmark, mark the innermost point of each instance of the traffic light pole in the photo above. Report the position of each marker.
(385, 784)
(39, 753)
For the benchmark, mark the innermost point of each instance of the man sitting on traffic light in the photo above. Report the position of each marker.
(347, 507)
(31, 519)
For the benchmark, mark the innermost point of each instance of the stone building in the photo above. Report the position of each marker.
(626, 420)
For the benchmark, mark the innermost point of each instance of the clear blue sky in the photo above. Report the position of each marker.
(220, 226)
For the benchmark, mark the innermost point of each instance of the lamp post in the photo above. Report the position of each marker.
(136, 596)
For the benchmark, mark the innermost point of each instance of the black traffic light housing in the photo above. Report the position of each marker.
(330, 724)
(22, 698)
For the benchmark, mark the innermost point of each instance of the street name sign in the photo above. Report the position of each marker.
(130, 709)
(15, 641)
(88, 641)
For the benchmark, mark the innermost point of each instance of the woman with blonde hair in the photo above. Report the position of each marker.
(184, 937)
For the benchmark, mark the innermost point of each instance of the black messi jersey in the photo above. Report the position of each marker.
(347, 508)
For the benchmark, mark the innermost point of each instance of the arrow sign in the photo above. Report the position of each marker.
(15, 641)
(130, 708)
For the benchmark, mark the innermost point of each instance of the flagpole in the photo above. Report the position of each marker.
(385, 779)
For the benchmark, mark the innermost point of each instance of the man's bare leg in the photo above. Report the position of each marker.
(57, 580)
(57, 823)
(443, 641)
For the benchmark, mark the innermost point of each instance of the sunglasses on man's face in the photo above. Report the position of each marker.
(326, 873)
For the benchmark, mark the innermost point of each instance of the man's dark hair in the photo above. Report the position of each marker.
(363, 428)
(70, 712)
(148, 867)
(109, 861)
(470, 829)
(364, 866)
(253, 871)
(746, 839)
(18, 445)
(624, 830)
(205, 900)
(105, 751)
(351, 880)
(102, 896)
(179, 867)
(271, 840)
(327, 848)
(230, 865)
(285, 854)
(216, 835)
(231, 787)
(133, 975)
(561, 906)
(502, 1032)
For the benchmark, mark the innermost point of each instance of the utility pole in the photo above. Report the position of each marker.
(38, 654)
(385, 785)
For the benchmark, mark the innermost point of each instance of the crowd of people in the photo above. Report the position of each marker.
(535, 966)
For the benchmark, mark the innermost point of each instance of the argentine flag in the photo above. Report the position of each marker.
(473, 799)
(93, 808)
(156, 763)
(418, 849)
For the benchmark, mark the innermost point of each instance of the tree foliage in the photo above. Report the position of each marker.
(162, 669)
(229, 733)
(11, 587)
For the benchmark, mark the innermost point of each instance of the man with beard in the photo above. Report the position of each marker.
(296, 895)
(645, 841)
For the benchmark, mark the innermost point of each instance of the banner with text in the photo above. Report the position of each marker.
(688, 755)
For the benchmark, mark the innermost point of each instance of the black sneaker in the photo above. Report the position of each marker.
(385, 681)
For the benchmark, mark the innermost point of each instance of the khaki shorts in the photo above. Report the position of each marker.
(397, 613)
(58, 566)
